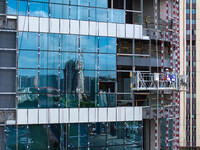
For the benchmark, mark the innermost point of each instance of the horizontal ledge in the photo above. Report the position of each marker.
(7, 93)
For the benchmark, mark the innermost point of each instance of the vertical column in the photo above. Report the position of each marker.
(167, 19)
(162, 71)
(156, 36)
(175, 95)
(178, 71)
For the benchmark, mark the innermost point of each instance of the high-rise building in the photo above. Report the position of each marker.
(190, 105)
(89, 74)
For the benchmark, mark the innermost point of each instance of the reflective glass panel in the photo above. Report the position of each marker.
(28, 59)
(73, 135)
(79, 13)
(27, 101)
(60, 11)
(83, 135)
(107, 76)
(90, 81)
(69, 61)
(107, 62)
(107, 45)
(98, 14)
(38, 132)
(40, 0)
(116, 133)
(49, 41)
(71, 101)
(22, 137)
(50, 100)
(69, 43)
(88, 100)
(107, 100)
(12, 7)
(27, 80)
(80, 2)
(89, 61)
(97, 134)
(23, 8)
(28, 40)
(56, 138)
(48, 81)
(134, 134)
(39, 9)
(60, 1)
(99, 3)
(49, 60)
(88, 43)
(116, 16)
(11, 137)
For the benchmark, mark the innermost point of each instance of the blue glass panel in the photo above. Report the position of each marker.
(80, 2)
(72, 101)
(134, 134)
(59, 11)
(107, 100)
(56, 136)
(116, 16)
(79, 13)
(27, 100)
(97, 131)
(89, 44)
(10, 137)
(38, 132)
(83, 135)
(107, 45)
(68, 60)
(40, 0)
(90, 81)
(98, 14)
(60, 1)
(69, 43)
(39, 9)
(27, 80)
(49, 41)
(115, 134)
(89, 61)
(88, 100)
(99, 3)
(48, 101)
(107, 62)
(12, 7)
(28, 59)
(48, 81)
(49, 60)
(28, 40)
(23, 8)
(73, 136)
(107, 76)
(22, 137)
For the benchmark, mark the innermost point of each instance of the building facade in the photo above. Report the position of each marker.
(189, 125)
(65, 74)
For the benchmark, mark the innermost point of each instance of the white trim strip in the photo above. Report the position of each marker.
(65, 26)
(78, 115)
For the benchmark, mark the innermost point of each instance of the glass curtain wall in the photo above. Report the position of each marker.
(66, 71)
(88, 10)
(102, 135)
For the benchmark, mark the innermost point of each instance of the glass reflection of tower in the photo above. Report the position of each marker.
(74, 81)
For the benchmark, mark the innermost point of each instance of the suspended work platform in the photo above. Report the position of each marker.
(158, 81)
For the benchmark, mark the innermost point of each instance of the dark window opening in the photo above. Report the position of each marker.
(124, 46)
(116, 4)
